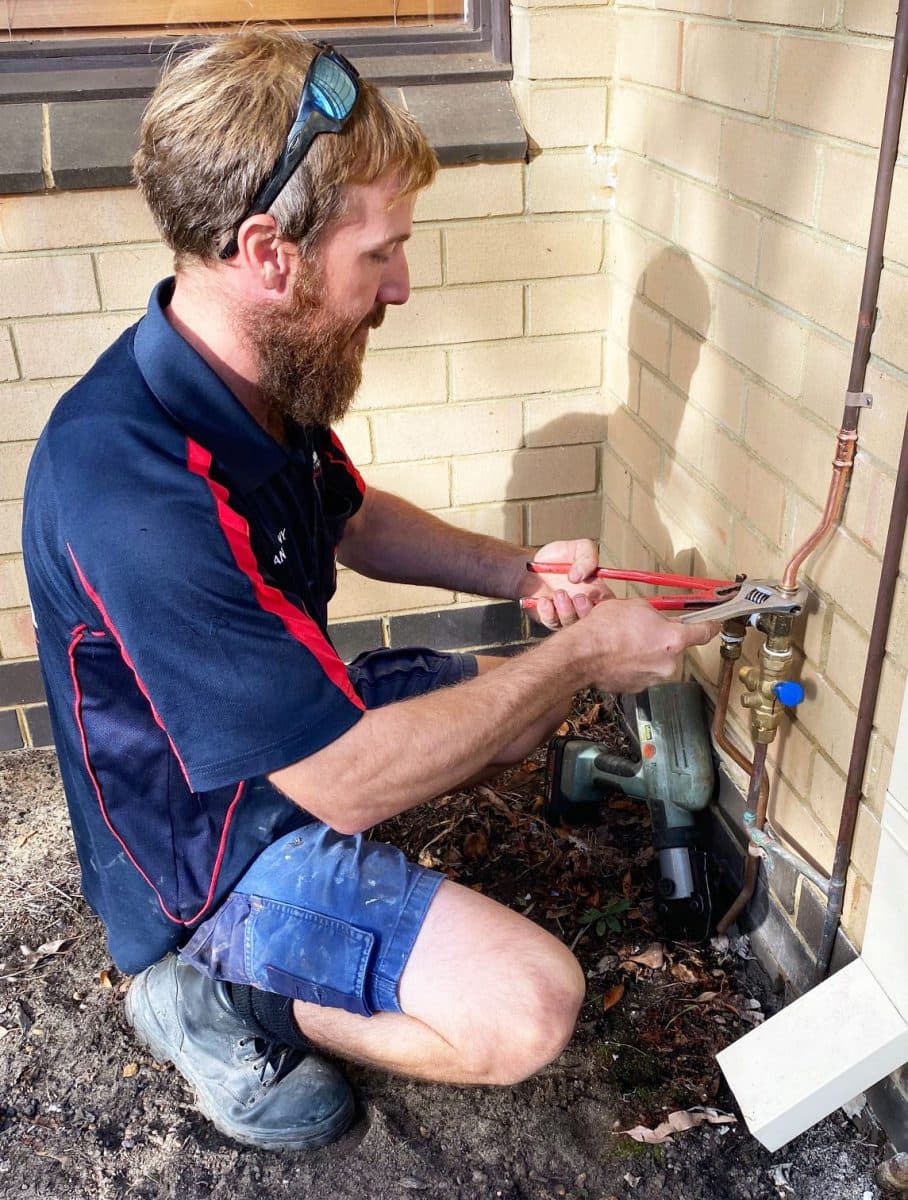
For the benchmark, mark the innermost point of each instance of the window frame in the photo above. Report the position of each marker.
(47, 71)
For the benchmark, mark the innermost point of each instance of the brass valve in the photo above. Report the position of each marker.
(769, 690)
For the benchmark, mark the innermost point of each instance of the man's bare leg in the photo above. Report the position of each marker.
(488, 998)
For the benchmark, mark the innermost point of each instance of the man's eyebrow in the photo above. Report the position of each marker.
(393, 241)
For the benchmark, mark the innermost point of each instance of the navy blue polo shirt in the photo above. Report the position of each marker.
(180, 563)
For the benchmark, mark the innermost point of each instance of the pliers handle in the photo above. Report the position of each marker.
(707, 592)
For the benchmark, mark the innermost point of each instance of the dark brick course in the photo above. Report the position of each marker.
(458, 628)
(20, 683)
(10, 733)
(353, 637)
(38, 721)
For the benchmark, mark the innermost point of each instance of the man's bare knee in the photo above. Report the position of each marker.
(539, 1026)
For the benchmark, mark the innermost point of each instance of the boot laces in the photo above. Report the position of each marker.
(272, 1061)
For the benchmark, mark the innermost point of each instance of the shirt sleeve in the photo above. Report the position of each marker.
(241, 678)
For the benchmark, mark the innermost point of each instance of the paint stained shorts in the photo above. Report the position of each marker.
(325, 917)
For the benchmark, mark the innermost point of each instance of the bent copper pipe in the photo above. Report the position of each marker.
(835, 501)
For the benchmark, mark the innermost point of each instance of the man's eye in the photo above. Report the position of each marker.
(379, 257)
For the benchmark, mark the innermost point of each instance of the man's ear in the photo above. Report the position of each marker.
(267, 257)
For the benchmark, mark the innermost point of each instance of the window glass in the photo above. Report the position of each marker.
(94, 18)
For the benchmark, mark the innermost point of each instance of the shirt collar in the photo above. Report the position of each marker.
(199, 401)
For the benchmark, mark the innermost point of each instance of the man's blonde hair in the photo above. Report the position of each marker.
(217, 123)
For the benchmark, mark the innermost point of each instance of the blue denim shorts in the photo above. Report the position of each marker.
(324, 917)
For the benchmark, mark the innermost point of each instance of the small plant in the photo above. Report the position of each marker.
(607, 917)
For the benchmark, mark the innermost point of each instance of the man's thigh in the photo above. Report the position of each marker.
(384, 676)
(478, 970)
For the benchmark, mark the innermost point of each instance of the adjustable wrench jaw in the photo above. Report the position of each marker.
(754, 597)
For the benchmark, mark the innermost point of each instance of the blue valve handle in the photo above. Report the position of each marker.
(788, 692)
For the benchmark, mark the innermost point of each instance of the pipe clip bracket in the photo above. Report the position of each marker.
(858, 400)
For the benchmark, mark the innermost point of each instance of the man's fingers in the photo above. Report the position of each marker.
(702, 632)
(564, 607)
(584, 604)
(586, 561)
(545, 612)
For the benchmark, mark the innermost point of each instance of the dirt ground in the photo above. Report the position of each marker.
(84, 1114)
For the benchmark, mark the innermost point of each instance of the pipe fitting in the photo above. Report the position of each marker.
(732, 639)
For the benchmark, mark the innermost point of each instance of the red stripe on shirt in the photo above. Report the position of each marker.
(345, 462)
(297, 623)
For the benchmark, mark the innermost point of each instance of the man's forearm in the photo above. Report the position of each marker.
(405, 753)
(400, 755)
(391, 539)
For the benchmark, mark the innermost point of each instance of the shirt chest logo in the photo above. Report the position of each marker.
(281, 556)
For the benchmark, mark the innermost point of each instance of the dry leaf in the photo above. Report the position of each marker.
(428, 860)
(653, 957)
(612, 996)
(679, 1122)
(32, 958)
(498, 803)
(104, 979)
(704, 996)
(475, 845)
(131, 1068)
(683, 973)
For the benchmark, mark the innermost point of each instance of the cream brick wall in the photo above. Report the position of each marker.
(736, 253)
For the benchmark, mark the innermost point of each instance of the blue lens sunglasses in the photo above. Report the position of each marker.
(329, 96)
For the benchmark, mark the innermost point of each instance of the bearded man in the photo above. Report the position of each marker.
(185, 509)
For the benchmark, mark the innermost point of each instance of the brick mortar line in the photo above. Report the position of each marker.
(750, 118)
(46, 167)
(802, 32)
(17, 358)
(76, 251)
(33, 318)
(745, 204)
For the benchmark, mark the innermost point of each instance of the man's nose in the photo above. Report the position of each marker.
(395, 284)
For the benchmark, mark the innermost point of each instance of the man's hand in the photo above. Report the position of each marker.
(560, 600)
(629, 646)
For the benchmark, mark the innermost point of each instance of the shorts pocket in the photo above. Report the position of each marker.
(304, 954)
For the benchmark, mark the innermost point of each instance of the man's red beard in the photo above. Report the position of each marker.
(308, 368)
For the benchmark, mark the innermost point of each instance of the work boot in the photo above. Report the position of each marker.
(253, 1089)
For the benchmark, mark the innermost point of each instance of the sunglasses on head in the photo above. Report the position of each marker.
(329, 95)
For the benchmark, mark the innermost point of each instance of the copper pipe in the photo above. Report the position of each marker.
(866, 707)
(751, 864)
(755, 807)
(835, 502)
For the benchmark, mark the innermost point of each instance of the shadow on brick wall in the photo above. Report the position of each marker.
(668, 320)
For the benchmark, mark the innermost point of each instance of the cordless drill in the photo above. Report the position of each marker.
(672, 770)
